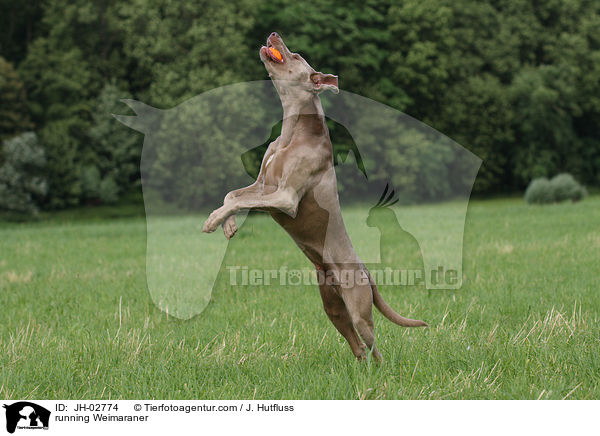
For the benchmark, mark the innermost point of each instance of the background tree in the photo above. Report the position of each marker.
(21, 184)
(14, 114)
(515, 81)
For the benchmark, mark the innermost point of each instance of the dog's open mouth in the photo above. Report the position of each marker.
(273, 54)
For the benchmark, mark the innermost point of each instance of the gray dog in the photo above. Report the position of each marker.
(297, 186)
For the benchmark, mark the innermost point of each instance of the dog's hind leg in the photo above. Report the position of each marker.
(359, 303)
(336, 311)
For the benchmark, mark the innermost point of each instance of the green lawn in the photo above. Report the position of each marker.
(78, 321)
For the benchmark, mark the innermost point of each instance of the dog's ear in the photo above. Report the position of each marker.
(323, 82)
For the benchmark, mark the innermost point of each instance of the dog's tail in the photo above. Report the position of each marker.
(388, 312)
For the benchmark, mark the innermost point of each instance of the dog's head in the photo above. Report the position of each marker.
(291, 74)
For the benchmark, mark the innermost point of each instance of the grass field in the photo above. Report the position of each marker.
(78, 322)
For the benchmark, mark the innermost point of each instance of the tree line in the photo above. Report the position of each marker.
(517, 82)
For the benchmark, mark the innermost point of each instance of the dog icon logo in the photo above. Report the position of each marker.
(26, 415)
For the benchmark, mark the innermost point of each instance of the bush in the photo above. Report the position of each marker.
(566, 188)
(21, 187)
(561, 188)
(539, 191)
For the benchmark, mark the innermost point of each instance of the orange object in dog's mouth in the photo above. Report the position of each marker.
(274, 54)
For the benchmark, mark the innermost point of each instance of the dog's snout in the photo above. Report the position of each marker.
(273, 37)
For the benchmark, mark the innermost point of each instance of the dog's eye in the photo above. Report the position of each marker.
(295, 56)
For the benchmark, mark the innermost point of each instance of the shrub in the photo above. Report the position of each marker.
(539, 191)
(21, 187)
(565, 187)
(561, 188)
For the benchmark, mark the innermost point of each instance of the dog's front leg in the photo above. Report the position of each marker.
(285, 200)
(229, 225)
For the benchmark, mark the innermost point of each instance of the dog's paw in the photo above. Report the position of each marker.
(208, 227)
(229, 227)
(211, 224)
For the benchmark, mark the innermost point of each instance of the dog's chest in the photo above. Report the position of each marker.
(269, 160)
(273, 168)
